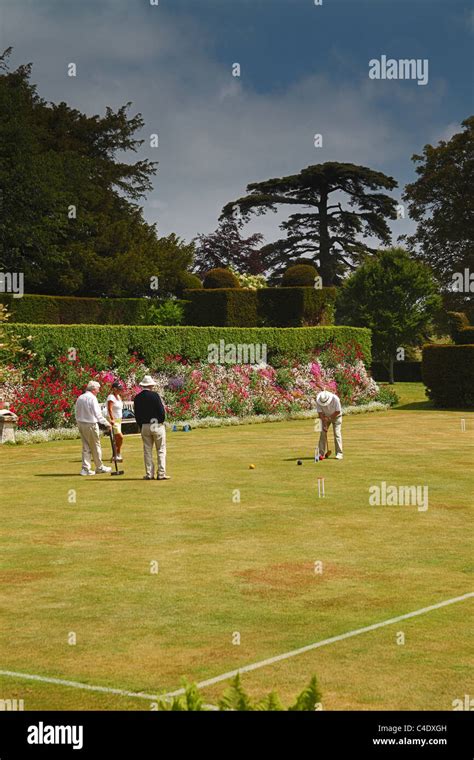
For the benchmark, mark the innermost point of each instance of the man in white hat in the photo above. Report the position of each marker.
(88, 418)
(150, 416)
(329, 410)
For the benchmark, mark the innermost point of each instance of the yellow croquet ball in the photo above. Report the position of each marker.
(251, 467)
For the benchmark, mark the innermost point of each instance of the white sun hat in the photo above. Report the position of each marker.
(323, 398)
(147, 382)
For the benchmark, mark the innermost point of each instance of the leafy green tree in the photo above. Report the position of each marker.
(396, 296)
(70, 218)
(329, 233)
(441, 201)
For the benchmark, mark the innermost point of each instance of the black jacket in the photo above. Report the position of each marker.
(148, 406)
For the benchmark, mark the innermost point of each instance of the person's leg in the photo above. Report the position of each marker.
(337, 426)
(323, 441)
(118, 442)
(160, 443)
(86, 452)
(147, 439)
(94, 443)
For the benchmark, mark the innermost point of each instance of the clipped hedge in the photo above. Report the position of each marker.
(448, 373)
(403, 372)
(272, 307)
(296, 306)
(69, 310)
(95, 343)
(236, 307)
(465, 335)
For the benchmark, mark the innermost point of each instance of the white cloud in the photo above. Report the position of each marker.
(216, 133)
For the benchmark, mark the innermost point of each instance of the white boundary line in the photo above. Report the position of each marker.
(245, 668)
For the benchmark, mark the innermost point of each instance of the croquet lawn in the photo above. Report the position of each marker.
(154, 580)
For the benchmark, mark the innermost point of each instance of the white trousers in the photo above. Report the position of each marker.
(323, 438)
(154, 435)
(89, 432)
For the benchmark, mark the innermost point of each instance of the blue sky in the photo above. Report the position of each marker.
(304, 69)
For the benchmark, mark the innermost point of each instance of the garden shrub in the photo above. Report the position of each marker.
(387, 395)
(220, 278)
(299, 275)
(236, 699)
(448, 373)
(168, 313)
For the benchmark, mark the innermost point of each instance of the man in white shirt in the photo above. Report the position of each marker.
(329, 410)
(88, 417)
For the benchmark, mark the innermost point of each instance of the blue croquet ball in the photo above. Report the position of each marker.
(186, 429)
(174, 428)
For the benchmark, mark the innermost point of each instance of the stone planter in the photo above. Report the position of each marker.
(8, 425)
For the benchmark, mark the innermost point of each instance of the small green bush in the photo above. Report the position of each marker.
(448, 373)
(168, 313)
(302, 275)
(236, 699)
(220, 278)
(387, 395)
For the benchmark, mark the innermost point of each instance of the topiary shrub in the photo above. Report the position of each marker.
(220, 278)
(299, 275)
(187, 281)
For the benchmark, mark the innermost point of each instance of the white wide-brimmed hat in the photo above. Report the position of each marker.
(323, 398)
(147, 381)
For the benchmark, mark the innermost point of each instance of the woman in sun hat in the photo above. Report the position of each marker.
(329, 410)
(114, 414)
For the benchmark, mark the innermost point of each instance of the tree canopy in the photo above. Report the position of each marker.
(330, 234)
(441, 201)
(227, 248)
(396, 296)
(70, 218)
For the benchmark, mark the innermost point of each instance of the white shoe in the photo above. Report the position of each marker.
(104, 469)
(339, 456)
(87, 472)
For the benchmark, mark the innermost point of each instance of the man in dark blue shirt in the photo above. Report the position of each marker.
(150, 416)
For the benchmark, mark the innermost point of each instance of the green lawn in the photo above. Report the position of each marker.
(245, 567)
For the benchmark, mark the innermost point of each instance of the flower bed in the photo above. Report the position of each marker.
(45, 398)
